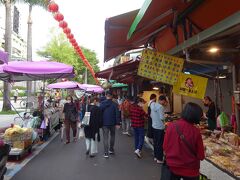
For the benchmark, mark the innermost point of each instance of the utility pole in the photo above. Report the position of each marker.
(85, 76)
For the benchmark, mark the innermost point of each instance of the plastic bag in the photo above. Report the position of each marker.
(81, 133)
(224, 120)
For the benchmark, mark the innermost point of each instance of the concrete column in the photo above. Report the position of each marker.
(234, 77)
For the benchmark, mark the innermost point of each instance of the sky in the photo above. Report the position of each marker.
(85, 18)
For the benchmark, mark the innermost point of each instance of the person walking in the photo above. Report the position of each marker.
(71, 117)
(92, 130)
(183, 144)
(149, 136)
(125, 108)
(158, 117)
(138, 117)
(15, 95)
(111, 120)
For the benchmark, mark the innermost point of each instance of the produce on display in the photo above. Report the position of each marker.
(19, 137)
(223, 150)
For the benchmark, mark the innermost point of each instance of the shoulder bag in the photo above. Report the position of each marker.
(86, 118)
(182, 137)
(165, 171)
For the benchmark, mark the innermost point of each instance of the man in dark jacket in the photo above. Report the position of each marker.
(111, 120)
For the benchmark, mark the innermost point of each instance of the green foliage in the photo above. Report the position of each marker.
(7, 112)
(19, 88)
(59, 49)
(42, 3)
(20, 94)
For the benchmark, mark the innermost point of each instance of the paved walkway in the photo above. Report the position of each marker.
(69, 162)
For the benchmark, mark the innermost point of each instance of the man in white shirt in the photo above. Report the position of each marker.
(158, 117)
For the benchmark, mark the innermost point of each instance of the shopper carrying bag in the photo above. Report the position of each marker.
(91, 127)
(183, 145)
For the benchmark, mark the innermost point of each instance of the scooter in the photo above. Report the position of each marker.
(4, 152)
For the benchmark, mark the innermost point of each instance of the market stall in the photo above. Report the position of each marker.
(222, 150)
(47, 119)
(56, 113)
(20, 139)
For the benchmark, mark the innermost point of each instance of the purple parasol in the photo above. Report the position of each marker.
(3, 57)
(91, 88)
(38, 70)
(64, 85)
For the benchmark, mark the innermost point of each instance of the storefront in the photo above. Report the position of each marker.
(208, 44)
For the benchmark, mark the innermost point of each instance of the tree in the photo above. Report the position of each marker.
(8, 48)
(59, 49)
(31, 3)
(8, 39)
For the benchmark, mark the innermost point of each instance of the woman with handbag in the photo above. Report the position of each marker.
(92, 126)
(71, 117)
(183, 146)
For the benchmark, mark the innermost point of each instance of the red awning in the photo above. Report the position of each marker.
(157, 24)
(125, 72)
(116, 29)
(204, 16)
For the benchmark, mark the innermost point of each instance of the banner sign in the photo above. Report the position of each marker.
(160, 67)
(191, 85)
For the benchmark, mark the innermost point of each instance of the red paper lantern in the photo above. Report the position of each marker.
(72, 41)
(70, 36)
(63, 24)
(53, 7)
(75, 45)
(59, 17)
(67, 30)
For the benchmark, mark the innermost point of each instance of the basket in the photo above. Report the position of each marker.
(18, 137)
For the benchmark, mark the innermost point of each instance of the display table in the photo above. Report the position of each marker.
(222, 152)
(212, 172)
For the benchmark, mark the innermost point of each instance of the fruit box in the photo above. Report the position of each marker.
(22, 144)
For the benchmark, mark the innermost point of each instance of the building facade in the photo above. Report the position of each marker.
(19, 45)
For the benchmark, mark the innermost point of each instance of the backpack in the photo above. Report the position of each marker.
(149, 110)
(126, 109)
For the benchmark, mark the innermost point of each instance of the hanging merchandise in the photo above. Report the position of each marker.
(191, 85)
(223, 120)
(160, 67)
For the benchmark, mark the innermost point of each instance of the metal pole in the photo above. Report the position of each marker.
(234, 79)
(85, 81)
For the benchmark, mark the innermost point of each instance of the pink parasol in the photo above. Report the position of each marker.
(64, 85)
(91, 88)
(38, 70)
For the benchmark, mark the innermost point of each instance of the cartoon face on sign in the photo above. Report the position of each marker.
(189, 83)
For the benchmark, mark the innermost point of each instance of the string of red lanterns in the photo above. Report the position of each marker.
(54, 8)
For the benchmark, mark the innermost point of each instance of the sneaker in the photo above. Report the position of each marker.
(124, 133)
(159, 162)
(106, 155)
(92, 156)
(155, 159)
(138, 153)
(129, 134)
(67, 142)
(111, 152)
(87, 152)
